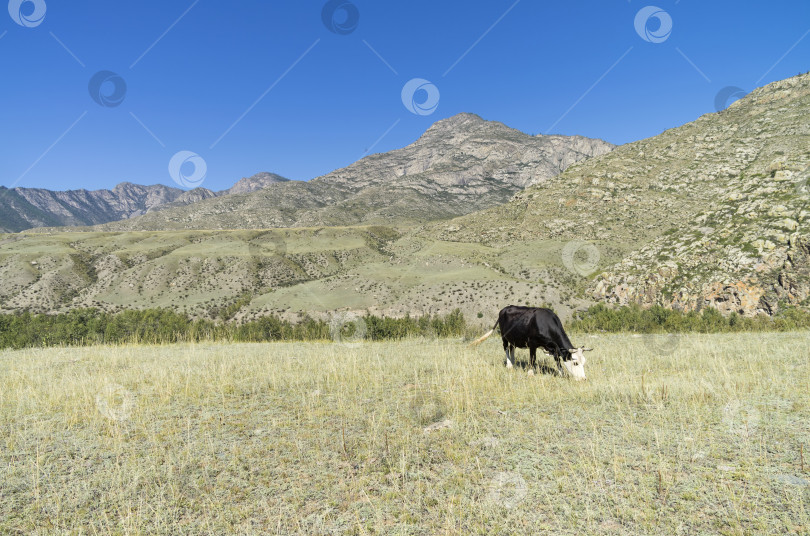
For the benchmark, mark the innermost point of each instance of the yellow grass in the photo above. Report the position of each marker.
(695, 435)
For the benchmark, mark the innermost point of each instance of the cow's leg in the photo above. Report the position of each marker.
(558, 360)
(512, 351)
(532, 356)
(506, 346)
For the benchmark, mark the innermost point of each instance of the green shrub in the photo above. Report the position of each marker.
(82, 327)
(657, 319)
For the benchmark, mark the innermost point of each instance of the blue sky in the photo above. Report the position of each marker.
(253, 86)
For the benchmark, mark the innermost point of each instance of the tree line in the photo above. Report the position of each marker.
(658, 319)
(81, 327)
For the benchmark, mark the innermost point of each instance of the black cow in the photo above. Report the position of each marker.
(533, 328)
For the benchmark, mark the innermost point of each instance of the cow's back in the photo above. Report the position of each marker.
(514, 316)
(517, 324)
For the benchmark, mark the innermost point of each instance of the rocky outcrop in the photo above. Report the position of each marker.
(761, 292)
(792, 285)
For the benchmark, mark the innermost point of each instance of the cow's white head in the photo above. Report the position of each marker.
(576, 366)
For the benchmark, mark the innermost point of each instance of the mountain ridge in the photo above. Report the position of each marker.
(458, 165)
(25, 208)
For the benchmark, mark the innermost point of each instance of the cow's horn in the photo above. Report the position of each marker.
(587, 349)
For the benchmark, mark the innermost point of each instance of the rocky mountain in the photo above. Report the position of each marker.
(25, 208)
(457, 166)
(711, 214)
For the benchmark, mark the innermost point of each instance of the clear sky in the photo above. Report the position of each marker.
(302, 87)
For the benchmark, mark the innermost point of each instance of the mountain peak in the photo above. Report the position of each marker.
(463, 117)
(459, 121)
(463, 124)
(256, 182)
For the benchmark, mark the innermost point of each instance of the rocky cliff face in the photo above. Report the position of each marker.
(459, 165)
(23, 208)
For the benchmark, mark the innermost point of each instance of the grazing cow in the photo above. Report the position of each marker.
(533, 328)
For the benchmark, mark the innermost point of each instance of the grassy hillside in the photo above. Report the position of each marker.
(417, 437)
(290, 272)
(715, 212)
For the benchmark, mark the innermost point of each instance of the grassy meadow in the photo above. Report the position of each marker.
(693, 434)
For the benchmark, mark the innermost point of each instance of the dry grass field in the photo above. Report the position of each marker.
(701, 434)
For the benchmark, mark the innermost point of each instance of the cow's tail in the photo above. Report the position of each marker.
(479, 340)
